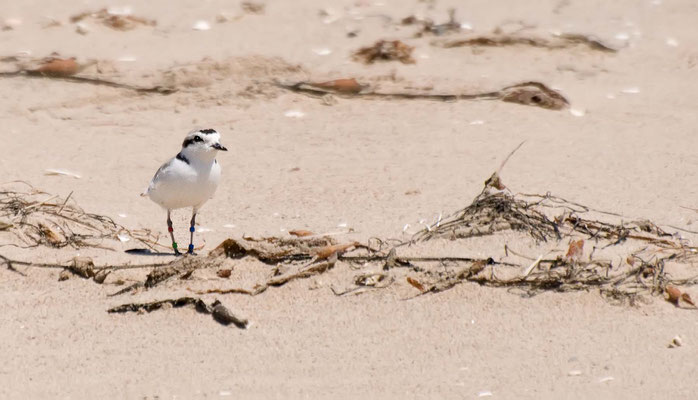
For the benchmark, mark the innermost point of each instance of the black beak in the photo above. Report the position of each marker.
(218, 146)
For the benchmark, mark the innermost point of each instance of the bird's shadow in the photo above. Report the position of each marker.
(148, 252)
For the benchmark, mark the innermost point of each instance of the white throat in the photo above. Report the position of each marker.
(199, 156)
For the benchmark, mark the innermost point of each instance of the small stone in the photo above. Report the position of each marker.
(82, 28)
(64, 275)
(675, 342)
(101, 275)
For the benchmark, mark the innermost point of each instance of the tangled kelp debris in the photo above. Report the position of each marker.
(301, 257)
(647, 247)
(496, 209)
(575, 248)
(492, 211)
(37, 218)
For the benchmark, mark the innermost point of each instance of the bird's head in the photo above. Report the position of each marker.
(203, 143)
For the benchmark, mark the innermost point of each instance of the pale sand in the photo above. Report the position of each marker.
(633, 154)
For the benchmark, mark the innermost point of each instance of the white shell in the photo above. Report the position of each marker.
(11, 23)
(294, 114)
(322, 51)
(577, 112)
(52, 172)
(82, 28)
(201, 25)
(676, 342)
(126, 10)
(631, 90)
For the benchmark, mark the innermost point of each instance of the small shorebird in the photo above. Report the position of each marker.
(189, 179)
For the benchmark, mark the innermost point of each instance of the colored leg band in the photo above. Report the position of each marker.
(169, 229)
(191, 229)
(191, 248)
(174, 245)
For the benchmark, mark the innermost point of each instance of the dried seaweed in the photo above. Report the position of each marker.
(491, 212)
(562, 41)
(157, 89)
(579, 235)
(273, 250)
(526, 93)
(38, 218)
(115, 21)
(429, 27)
(495, 210)
(217, 310)
(385, 50)
(252, 7)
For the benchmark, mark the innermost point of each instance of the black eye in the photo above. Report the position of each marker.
(198, 139)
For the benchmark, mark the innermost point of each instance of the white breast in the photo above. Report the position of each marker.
(178, 184)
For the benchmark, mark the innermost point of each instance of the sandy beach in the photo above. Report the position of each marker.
(435, 113)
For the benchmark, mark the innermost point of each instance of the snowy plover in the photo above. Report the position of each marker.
(189, 179)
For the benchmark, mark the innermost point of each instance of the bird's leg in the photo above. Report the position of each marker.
(169, 229)
(191, 230)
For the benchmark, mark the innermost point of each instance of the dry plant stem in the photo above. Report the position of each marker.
(253, 292)
(506, 159)
(362, 288)
(10, 265)
(67, 264)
